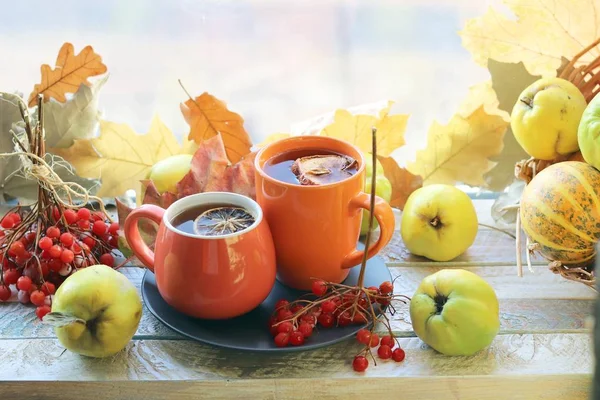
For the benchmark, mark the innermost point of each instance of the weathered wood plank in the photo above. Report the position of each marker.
(522, 354)
(514, 387)
(521, 309)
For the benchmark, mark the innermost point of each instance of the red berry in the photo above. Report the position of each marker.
(296, 338)
(344, 319)
(37, 298)
(282, 339)
(70, 216)
(53, 232)
(326, 320)
(55, 251)
(29, 237)
(319, 288)
(384, 352)
(42, 310)
(45, 269)
(359, 318)
(99, 228)
(17, 248)
(55, 213)
(374, 340)
(7, 223)
(46, 254)
(48, 288)
(66, 239)
(55, 264)
(384, 301)
(296, 307)
(363, 336)
(45, 243)
(11, 276)
(89, 241)
(388, 341)
(67, 256)
(2, 234)
(16, 218)
(398, 354)
(98, 216)
(281, 304)
(76, 248)
(4, 293)
(24, 283)
(83, 214)
(113, 241)
(309, 319)
(83, 224)
(386, 287)
(285, 327)
(282, 315)
(113, 229)
(360, 363)
(306, 329)
(328, 306)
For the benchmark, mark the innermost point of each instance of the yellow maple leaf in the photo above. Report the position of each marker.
(120, 157)
(70, 72)
(207, 116)
(273, 137)
(459, 151)
(542, 32)
(356, 129)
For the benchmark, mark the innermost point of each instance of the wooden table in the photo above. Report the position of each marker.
(544, 349)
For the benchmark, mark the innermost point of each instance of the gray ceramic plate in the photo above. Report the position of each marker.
(250, 331)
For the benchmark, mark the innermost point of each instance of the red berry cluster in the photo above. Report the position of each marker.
(336, 305)
(387, 349)
(37, 255)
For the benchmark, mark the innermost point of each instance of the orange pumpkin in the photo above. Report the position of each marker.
(560, 211)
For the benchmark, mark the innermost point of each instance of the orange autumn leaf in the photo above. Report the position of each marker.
(71, 71)
(402, 181)
(206, 115)
(211, 172)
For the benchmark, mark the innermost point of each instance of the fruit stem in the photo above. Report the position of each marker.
(58, 319)
(363, 266)
(435, 222)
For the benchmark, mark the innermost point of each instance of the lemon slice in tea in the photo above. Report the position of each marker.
(222, 221)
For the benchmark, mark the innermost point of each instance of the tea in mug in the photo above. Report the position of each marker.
(311, 167)
(213, 220)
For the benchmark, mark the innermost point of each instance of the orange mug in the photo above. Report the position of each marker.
(211, 277)
(316, 228)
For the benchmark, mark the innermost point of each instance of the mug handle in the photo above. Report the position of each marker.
(132, 232)
(386, 219)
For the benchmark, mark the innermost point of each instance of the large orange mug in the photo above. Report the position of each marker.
(316, 227)
(211, 277)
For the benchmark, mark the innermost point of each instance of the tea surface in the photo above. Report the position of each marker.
(213, 220)
(310, 167)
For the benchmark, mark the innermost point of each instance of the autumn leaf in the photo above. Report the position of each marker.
(121, 157)
(212, 172)
(206, 115)
(459, 152)
(70, 72)
(75, 119)
(356, 129)
(270, 139)
(9, 114)
(539, 34)
(403, 182)
(508, 81)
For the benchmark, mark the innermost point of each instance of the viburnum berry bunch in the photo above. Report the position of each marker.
(336, 305)
(331, 305)
(42, 244)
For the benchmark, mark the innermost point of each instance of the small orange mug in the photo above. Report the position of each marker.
(316, 228)
(211, 277)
